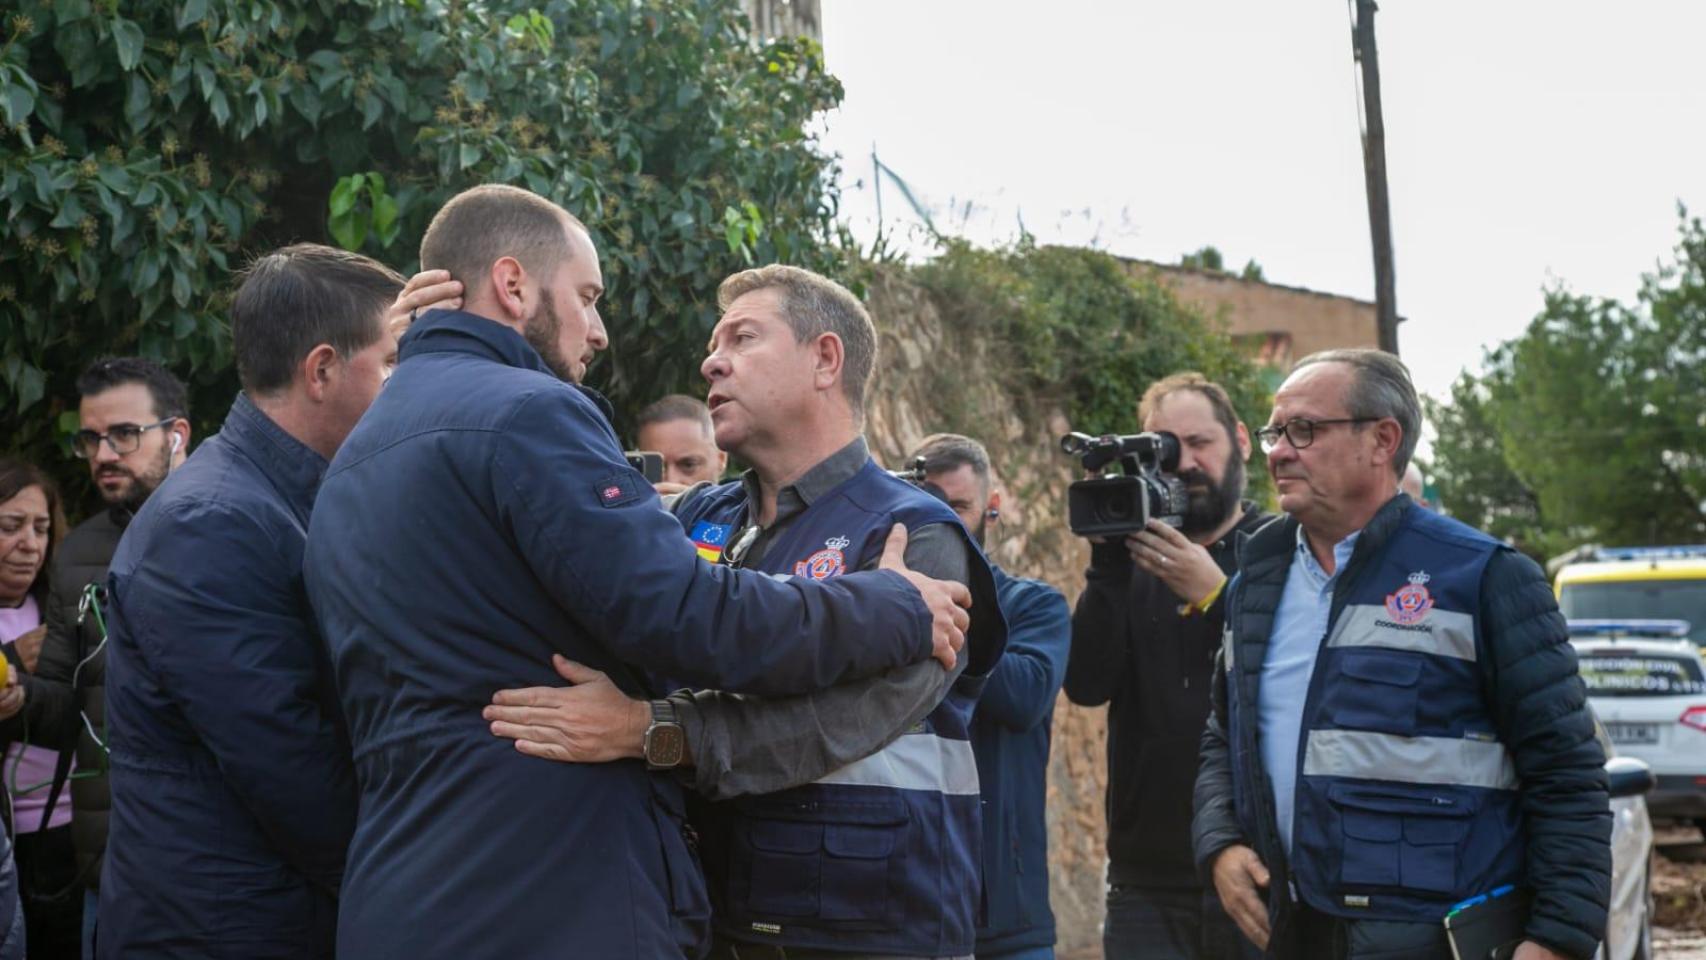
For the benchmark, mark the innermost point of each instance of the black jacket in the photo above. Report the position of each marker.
(1132, 649)
(1539, 707)
(52, 710)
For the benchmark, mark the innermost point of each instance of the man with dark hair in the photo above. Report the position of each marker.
(134, 430)
(467, 846)
(233, 797)
(1144, 637)
(679, 428)
(1010, 731)
(1398, 725)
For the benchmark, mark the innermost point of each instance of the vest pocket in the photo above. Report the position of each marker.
(1376, 690)
(1397, 839)
(856, 871)
(785, 867)
(823, 860)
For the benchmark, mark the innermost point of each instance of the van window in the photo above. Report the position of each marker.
(1639, 600)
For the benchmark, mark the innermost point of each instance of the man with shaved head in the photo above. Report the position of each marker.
(480, 526)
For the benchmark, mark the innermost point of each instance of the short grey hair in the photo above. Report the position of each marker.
(815, 305)
(950, 451)
(1380, 387)
(676, 406)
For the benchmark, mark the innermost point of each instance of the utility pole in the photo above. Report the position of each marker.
(1374, 173)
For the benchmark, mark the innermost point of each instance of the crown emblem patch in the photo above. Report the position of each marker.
(1411, 603)
(825, 563)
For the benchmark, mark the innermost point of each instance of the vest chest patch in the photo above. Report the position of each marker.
(710, 539)
(825, 563)
(1411, 603)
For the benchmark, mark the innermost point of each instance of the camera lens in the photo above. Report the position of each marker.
(1116, 509)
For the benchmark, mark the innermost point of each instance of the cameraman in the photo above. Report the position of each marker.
(1144, 637)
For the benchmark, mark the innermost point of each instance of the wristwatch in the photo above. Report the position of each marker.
(666, 741)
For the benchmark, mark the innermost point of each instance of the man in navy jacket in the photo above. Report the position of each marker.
(1010, 731)
(481, 519)
(232, 794)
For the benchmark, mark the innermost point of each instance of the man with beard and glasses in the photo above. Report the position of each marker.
(134, 430)
(1144, 637)
(1010, 730)
(479, 526)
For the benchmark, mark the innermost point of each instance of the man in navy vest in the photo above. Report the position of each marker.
(480, 519)
(1398, 725)
(1010, 731)
(849, 821)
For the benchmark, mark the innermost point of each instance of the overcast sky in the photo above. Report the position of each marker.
(1527, 142)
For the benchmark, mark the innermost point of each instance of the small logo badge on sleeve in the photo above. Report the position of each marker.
(616, 489)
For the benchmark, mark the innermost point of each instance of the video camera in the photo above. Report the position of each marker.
(1113, 506)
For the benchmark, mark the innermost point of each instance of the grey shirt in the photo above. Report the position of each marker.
(751, 745)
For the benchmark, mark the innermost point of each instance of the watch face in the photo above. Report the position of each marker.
(665, 743)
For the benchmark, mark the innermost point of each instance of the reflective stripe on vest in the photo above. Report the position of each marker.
(1406, 801)
(916, 761)
(1446, 633)
(880, 856)
(1363, 755)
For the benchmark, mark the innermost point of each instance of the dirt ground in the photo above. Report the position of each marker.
(1679, 894)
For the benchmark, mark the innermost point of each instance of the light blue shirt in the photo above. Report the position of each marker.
(1300, 627)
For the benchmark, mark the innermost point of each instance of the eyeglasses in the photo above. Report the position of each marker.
(1299, 431)
(122, 437)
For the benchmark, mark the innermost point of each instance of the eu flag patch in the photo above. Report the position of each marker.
(710, 538)
(617, 489)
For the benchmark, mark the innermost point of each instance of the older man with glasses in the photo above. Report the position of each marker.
(1398, 724)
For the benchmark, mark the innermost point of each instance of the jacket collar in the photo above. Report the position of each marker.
(294, 469)
(457, 331)
(1271, 545)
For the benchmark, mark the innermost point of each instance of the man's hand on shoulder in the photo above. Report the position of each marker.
(591, 721)
(1534, 951)
(947, 600)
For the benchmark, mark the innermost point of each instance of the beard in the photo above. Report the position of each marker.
(541, 332)
(141, 484)
(1210, 503)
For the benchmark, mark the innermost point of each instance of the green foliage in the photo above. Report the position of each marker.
(1208, 258)
(149, 148)
(1475, 482)
(1078, 328)
(1591, 426)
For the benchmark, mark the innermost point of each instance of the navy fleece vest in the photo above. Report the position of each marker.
(1407, 802)
(881, 856)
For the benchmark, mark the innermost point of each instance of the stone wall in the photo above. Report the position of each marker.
(1298, 322)
(929, 381)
